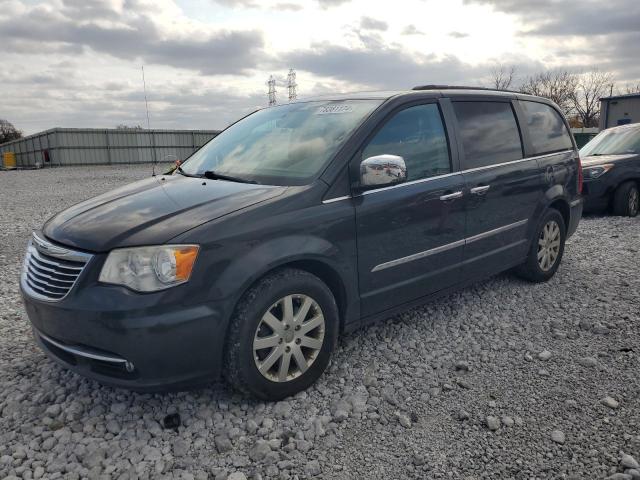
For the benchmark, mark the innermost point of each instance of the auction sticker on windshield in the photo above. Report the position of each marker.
(340, 108)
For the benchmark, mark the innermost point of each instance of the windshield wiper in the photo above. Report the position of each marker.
(182, 172)
(211, 175)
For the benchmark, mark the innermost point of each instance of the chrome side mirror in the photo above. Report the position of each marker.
(382, 170)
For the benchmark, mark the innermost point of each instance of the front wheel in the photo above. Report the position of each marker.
(282, 335)
(547, 248)
(626, 200)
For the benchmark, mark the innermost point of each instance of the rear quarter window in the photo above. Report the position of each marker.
(547, 130)
(489, 133)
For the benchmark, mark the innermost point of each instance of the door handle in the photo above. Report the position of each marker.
(480, 190)
(451, 196)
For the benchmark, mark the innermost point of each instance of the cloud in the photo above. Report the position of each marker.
(411, 30)
(458, 34)
(606, 35)
(561, 18)
(237, 3)
(331, 3)
(381, 66)
(292, 7)
(369, 23)
(134, 36)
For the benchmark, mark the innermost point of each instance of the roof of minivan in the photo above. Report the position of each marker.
(443, 91)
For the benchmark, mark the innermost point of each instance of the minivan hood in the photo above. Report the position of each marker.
(593, 160)
(151, 211)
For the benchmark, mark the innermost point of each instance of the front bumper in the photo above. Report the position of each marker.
(597, 194)
(141, 344)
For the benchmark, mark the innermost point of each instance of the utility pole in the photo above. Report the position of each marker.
(271, 83)
(292, 85)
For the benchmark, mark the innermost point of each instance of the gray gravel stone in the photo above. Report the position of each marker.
(55, 424)
(492, 422)
(627, 461)
(545, 355)
(610, 402)
(558, 436)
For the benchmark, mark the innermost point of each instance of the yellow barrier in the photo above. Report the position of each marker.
(9, 160)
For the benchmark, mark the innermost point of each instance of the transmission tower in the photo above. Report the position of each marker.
(292, 85)
(272, 91)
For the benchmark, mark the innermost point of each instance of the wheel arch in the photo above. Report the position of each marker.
(563, 207)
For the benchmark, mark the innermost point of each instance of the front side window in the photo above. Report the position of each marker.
(283, 145)
(489, 133)
(547, 130)
(618, 141)
(417, 135)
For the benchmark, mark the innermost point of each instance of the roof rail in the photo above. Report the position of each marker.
(459, 87)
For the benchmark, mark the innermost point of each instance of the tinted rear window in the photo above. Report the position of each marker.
(489, 133)
(547, 129)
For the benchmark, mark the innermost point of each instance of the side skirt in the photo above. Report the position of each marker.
(427, 298)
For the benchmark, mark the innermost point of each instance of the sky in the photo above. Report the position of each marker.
(77, 63)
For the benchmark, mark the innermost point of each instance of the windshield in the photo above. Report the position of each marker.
(283, 145)
(613, 142)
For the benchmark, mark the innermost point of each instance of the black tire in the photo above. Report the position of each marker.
(240, 367)
(531, 269)
(626, 200)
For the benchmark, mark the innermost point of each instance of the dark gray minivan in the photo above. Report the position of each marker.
(296, 224)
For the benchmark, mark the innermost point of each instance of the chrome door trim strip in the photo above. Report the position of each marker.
(417, 256)
(448, 246)
(495, 231)
(406, 184)
(437, 177)
(336, 199)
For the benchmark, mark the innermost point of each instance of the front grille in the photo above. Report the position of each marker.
(50, 271)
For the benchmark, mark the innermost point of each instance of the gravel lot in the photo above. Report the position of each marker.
(501, 380)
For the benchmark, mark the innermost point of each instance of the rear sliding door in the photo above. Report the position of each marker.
(503, 188)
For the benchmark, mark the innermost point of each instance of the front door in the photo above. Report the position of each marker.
(411, 235)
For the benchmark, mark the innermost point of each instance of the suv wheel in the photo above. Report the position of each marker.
(547, 247)
(281, 335)
(626, 200)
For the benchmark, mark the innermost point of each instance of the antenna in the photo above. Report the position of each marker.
(272, 91)
(291, 85)
(146, 104)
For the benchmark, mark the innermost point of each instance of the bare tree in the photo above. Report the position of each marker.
(123, 126)
(8, 132)
(629, 88)
(502, 77)
(556, 85)
(590, 86)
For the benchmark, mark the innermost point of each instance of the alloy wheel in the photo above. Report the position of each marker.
(288, 338)
(549, 245)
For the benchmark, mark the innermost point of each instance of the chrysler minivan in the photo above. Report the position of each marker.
(296, 224)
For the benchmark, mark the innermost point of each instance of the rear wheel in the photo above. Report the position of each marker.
(626, 200)
(547, 248)
(282, 335)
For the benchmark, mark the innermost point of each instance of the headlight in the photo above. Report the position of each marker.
(596, 172)
(148, 269)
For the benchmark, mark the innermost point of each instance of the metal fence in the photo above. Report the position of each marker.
(88, 146)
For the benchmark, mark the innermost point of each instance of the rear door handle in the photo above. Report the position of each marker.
(480, 190)
(451, 196)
